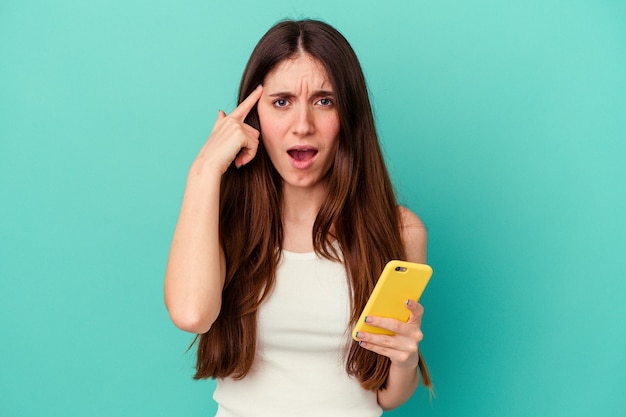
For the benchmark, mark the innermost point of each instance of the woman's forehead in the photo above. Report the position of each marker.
(299, 71)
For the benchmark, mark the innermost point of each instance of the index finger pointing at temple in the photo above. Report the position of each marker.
(245, 106)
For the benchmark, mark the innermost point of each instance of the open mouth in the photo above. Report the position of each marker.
(303, 154)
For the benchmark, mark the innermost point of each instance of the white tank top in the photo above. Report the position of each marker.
(299, 368)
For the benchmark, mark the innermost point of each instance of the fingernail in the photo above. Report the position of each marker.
(367, 320)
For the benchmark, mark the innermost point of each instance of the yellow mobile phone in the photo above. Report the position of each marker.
(399, 282)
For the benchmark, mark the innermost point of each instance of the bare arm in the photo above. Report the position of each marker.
(403, 347)
(196, 266)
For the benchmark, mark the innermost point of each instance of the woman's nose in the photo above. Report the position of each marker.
(304, 123)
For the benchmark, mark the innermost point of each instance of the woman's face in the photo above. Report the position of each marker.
(299, 121)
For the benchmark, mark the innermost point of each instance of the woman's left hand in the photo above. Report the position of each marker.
(403, 347)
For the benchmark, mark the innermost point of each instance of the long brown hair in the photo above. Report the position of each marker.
(360, 211)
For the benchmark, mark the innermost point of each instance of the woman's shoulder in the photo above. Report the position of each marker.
(409, 219)
(414, 235)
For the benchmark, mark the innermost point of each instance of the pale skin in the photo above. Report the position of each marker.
(300, 124)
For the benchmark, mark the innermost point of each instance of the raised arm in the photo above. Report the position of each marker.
(196, 267)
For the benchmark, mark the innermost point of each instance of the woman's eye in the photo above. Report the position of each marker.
(281, 102)
(325, 102)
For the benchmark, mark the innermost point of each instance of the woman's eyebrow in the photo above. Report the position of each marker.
(281, 94)
(316, 93)
(323, 93)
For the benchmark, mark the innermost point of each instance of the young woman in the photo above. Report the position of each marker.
(287, 220)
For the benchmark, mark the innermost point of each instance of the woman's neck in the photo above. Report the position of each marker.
(300, 209)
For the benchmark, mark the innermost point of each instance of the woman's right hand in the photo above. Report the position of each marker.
(231, 138)
(196, 267)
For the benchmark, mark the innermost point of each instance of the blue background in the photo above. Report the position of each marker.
(503, 124)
